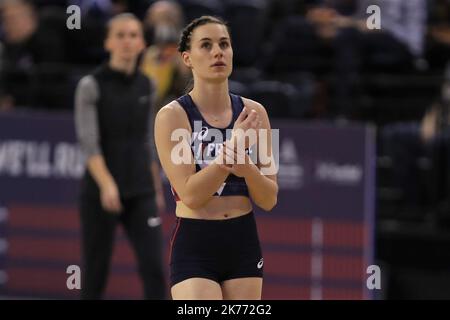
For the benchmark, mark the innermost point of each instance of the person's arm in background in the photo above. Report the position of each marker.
(86, 125)
(327, 19)
(6, 100)
(154, 166)
(411, 29)
(428, 128)
(406, 20)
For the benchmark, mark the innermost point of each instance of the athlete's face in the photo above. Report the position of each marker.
(210, 56)
(125, 39)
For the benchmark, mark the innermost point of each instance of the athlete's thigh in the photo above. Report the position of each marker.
(197, 289)
(242, 289)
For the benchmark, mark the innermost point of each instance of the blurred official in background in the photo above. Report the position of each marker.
(114, 123)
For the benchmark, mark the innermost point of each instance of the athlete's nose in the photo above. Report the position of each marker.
(217, 51)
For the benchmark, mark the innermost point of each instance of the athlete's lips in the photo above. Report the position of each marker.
(219, 64)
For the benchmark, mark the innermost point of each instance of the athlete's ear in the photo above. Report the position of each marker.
(186, 59)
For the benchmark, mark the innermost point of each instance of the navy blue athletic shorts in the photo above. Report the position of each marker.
(218, 250)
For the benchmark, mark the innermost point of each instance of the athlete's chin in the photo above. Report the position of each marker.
(217, 80)
(219, 76)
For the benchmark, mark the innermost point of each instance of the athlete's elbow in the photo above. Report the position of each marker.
(272, 204)
(269, 204)
(271, 201)
(191, 202)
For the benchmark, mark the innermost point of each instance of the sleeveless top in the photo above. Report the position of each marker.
(207, 141)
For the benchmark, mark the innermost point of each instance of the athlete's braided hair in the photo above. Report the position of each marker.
(185, 40)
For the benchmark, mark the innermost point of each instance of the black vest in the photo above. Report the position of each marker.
(123, 111)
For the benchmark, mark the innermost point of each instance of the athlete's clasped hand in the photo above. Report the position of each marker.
(233, 157)
(247, 120)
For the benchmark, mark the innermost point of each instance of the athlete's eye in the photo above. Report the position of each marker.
(206, 45)
(224, 44)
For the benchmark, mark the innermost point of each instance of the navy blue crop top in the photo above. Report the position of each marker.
(206, 143)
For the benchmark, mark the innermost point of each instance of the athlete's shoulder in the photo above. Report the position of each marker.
(171, 113)
(254, 105)
(171, 108)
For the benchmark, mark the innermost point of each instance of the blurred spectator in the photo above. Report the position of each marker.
(114, 120)
(437, 118)
(101, 9)
(403, 22)
(421, 145)
(163, 22)
(325, 14)
(438, 44)
(395, 47)
(161, 61)
(86, 44)
(25, 47)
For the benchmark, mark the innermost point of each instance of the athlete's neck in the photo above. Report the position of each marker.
(211, 97)
(125, 66)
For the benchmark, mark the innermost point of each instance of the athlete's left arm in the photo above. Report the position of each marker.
(262, 178)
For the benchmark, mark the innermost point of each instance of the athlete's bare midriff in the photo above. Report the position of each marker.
(218, 208)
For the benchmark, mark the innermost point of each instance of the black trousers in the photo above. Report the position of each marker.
(143, 228)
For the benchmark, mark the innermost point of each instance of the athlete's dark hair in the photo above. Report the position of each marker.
(185, 40)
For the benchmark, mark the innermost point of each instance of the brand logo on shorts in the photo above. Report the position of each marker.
(260, 263)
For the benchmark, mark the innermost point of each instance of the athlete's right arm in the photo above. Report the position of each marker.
(195, 189)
